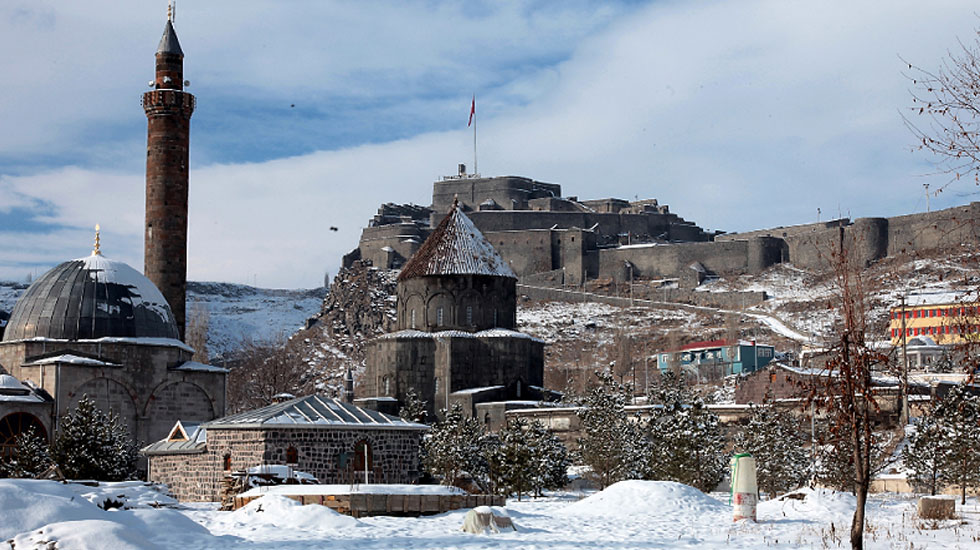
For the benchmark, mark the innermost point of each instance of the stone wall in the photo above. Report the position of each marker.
(141, 390)
(197, 477)
(461, 302)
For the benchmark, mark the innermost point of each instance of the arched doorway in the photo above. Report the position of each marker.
(15, 424)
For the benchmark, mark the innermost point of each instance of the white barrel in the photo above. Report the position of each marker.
(745, 490)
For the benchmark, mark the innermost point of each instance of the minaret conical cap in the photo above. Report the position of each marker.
(169, 43)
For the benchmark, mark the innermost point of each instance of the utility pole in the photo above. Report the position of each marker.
(904, 387)
(926, 185)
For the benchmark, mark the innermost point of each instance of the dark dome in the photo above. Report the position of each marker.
(90, 298)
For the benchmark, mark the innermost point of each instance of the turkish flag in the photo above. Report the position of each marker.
(472, 111)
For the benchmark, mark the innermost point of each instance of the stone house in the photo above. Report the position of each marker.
(335, 441)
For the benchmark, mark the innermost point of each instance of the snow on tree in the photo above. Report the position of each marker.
(686, 445)
(413, 408)
(30, 458)
(959, 415)
(611, 444)
(774, 440)
(684, 438)
(527, 459)
(92, 444)
(455, 446)
(549, 459)
(927, 455)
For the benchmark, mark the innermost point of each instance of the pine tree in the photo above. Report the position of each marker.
(414, 407)
(514, 458)
(959, 414)
(611, 444)
(92, 444)
(927, 455)
(772, 438)
(549, 459)
(454, 446)
(686, 446)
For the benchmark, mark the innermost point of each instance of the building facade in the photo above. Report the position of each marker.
(946, 323)
(718, 357)
(334, 441)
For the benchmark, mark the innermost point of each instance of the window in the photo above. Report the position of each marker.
(469, 315)
(495, 317)
(227, 462)
(292, 456)
(439, 316)
(893, 333)
(413, 318)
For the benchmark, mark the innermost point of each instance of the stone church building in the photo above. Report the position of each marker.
(456, 340)
(97, 327)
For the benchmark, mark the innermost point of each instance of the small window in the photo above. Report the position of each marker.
(469, 315)
(227, 462)
(439, 316)
(413, 318)
(292, 456)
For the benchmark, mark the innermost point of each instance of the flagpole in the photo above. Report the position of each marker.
(476, 169)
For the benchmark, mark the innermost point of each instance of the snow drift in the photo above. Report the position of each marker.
(637, 497)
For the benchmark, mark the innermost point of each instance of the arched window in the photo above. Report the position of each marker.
(439, 316)
(413, 318)
(363, 456)
(15, 424)
(292, 455)
(227, 462)
(469, 315)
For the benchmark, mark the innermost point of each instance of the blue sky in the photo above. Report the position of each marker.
(738, 114)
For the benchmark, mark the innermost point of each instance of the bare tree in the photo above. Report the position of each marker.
(196, 335)
(846, 391)
(266, 371)
(945, 115)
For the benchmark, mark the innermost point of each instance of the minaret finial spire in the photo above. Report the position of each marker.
(97, 249)
(171, 10)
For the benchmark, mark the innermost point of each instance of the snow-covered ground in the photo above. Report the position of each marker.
(632, 514)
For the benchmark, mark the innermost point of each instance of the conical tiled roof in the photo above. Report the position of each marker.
(456, 247)
(169, 42)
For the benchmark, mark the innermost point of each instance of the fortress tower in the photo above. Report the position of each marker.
(168, 111)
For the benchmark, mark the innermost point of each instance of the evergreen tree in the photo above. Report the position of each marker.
(414, 407)
(30, 457)
(926, 455)
(514, 458)
(773, 439)
(92, 444)
(454, 446)
(549, 459)
(611, 444)
(959, 415)
(686, 446)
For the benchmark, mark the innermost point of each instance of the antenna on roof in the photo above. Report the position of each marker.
(97, 249)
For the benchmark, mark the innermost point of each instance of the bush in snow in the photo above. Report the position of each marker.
(30, 458)
(91, 444)
(612, 444)
(776, 443)
(455, 446)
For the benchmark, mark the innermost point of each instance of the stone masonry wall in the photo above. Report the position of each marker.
(197, 477)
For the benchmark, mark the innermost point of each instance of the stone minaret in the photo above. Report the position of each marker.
(168, 111)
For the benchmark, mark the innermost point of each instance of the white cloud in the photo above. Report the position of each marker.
(739, 115)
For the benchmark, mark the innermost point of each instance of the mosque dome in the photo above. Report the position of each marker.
(89, 298)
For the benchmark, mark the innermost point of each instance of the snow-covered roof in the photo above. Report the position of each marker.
(314, 411)
(184, 438)
(456, 247)
(139, 341)
(12, 389)
(194, 366)
(91, 297)
(73, 359)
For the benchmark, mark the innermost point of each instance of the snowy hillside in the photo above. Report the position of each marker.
(234, 311)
